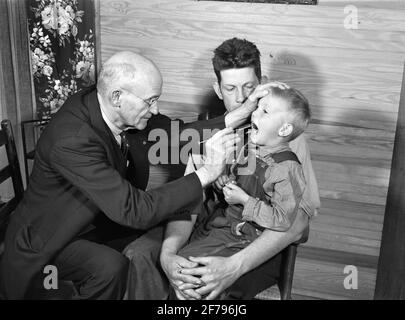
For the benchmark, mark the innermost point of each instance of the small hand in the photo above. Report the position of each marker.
(233, 194)
(221, 182)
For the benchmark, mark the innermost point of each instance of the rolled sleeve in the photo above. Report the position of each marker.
(310, 200)
(249, 209)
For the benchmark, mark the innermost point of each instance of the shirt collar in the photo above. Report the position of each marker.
(114, 129)
(265, 151)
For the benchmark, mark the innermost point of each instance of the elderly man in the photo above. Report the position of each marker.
(77, 187)
(154, 267)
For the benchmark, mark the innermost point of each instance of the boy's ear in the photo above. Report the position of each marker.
(217, 90)
(285, 130)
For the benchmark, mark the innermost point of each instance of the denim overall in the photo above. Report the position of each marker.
(223, 232)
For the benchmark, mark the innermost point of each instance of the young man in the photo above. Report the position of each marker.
(237, 66)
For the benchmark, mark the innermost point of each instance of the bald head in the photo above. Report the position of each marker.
(128, 70)
(128, 88)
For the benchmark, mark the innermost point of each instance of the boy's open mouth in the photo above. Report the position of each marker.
(254, 126)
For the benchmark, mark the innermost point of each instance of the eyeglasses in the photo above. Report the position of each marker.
(150, 102)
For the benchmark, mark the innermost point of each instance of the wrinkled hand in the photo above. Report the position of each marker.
(218, 149)
(233, 194)
(172, 265)
(217, 273)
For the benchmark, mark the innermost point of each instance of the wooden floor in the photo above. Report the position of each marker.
(315, 266)
(319, 274)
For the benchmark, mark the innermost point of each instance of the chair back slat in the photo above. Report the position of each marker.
(3, 138)
(7, 209)
(13, 159)
(12, 170)
(5, 173)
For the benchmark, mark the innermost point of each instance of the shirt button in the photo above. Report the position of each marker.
(143, 142)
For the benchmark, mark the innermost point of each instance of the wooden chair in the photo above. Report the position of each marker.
(12, 170)
(287, 267)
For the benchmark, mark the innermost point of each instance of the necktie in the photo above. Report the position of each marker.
(124, 144)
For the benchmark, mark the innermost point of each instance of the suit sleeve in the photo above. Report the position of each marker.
(84, 164)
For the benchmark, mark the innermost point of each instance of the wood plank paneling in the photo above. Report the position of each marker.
(352, 79)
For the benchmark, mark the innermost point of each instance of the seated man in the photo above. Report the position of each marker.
(78, 181)
(237, 66)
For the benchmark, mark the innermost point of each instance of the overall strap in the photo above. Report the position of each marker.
(277, 157)
(284, 156)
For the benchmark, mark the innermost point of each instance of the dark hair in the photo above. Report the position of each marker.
(298, 106)
(236, 53)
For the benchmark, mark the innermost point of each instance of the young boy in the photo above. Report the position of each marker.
(265, 195)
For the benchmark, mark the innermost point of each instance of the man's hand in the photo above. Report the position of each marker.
(233, 194)
(241, 115)
(218, 148)
(218, 273)
(281, 85)
(221, 182)
(172, 266)
(263, 90)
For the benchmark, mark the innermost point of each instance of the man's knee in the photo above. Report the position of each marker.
(141, 251)
(113, 268)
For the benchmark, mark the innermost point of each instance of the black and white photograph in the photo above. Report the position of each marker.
(213, 150)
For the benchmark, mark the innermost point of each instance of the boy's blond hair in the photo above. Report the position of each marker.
(298, 107)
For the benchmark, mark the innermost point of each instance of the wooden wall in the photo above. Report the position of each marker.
(351, 77)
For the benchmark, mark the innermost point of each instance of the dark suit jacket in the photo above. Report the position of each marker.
(78, 175)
